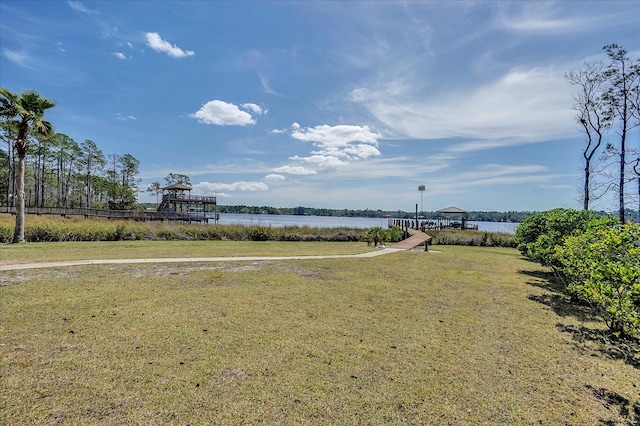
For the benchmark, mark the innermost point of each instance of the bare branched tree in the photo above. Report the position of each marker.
(588, 105)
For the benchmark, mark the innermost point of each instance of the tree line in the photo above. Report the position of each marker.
(43, 168)
(60, 172)
(482, 216)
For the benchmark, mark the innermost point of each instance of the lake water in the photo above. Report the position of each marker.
(278, 221)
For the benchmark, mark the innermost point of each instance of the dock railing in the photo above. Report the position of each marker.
(117, 214)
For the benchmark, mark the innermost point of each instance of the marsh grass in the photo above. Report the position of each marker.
(471, 238)
(455, 337)
(77, 228)
(55, 229)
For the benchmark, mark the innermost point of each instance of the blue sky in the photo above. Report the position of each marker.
(325, 104)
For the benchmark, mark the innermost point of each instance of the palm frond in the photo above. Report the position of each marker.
(7, 103)
(42, 128)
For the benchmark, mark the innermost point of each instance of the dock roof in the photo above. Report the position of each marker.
(177, 186)
(452, 210)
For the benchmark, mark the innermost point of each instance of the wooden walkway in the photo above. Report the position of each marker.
(119, 214)
(416, 238)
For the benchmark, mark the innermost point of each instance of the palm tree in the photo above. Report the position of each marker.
(27, 110)
(377, 235)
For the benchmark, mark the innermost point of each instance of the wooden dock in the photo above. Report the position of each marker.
(415, 239)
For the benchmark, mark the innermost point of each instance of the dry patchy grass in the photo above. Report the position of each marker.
(465, 336)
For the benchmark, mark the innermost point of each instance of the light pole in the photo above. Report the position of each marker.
(421, 189)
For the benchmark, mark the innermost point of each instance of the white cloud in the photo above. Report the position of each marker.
(335, 136)
(20, 58)
(120, 55)
(256, 109)
(278, 131)
(495, 170)
(79, 7)
(125, 117)
(251, 59)
(156, 42)
(540, 17)
(337, 145)
(322, 161)
(402, 167)
(264, 81)
(482, 144)
(492, 175)
(274, 178)
(522, 106)
(211, 187)
(295, 170)
(222, 113)
(361, 151)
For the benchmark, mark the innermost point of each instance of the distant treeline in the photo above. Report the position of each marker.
(480, 216)
(399, 214)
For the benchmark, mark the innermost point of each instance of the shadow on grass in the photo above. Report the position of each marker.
(630, 411)
(595, 340)
(545, 280)
(561, 304)
(557, 298)
(605, 342)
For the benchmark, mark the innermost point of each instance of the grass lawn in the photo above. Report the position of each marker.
(468, 335)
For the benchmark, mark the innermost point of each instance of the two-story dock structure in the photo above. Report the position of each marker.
(178, 204)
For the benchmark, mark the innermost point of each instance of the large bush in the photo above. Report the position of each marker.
(539, 235)
(596, 257)
(603, 268)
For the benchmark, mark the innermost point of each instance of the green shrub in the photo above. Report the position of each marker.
(395, 234)
(43, 232)
(260, 233)
(212, 233)
(594, 256)
(6, 233)
(119, 233)
(165, 234)
(603, 267)
(539, 235)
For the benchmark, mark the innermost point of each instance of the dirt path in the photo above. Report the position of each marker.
(414, 240)
(185, 260)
